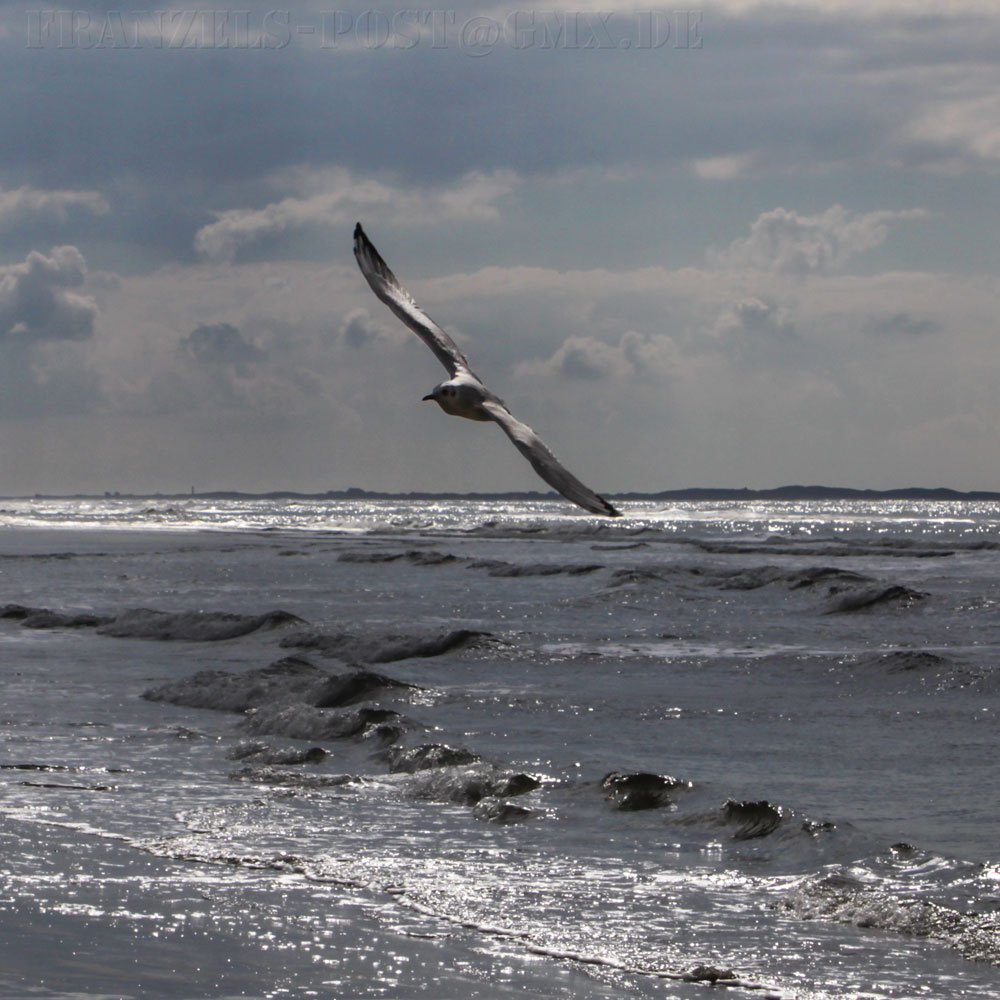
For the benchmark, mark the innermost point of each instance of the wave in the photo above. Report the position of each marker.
(744, 578)
(295, 699)
(289, 678)
(43, 618)
(642, 790)
(494, 567)
(500, 568)
(846, 591)
(145, 623)
(470, 784)
(845, 548)
(192, 626)
(866, 598)
(215, 626)
(256, 752)
(385, 648)
(904, 661)
(920, 669)
(749, 819)
(408, 760)
(293, 678)
(263, 774)
(299, 721)
(417, 557)
(839, 897)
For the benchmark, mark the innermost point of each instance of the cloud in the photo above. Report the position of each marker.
(590, 359)
(29, 204)
(955, 133)
(758, 333)
(36, 300)
(307, 415)
(785, 242)
(723, 168)
(357, 328)
(753, 315)
(221, 344)
(581, 358)
(904, 324)
(336, 197)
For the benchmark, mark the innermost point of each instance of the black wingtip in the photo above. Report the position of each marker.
(362, 245)
(609, 510)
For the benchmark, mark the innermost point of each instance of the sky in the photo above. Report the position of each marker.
(740, 244)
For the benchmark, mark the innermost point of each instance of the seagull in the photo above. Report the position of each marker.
(463, 394)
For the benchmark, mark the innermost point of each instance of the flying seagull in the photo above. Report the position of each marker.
(463, 394)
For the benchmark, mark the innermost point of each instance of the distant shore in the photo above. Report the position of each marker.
(720, 494)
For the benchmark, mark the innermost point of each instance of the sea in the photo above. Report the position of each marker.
(452, 749)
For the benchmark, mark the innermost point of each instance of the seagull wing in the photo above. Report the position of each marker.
(399, 300)
(529, 444)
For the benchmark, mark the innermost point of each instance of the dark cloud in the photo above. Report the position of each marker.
(760, 334)
(221, 344)
(37, 301)
(904, 324)
(357, 329)
(180, 139)
(802, 88)
(246, 111)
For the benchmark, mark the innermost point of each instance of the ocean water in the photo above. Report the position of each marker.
(472, 749)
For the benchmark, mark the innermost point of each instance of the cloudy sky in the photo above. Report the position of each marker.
(744, 244)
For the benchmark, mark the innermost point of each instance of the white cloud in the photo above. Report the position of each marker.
(581, 358)
(27, 203)
(36, 301)
(785, 242)
(755, 317)
(589, 359)
(336, 197)
(958, 132)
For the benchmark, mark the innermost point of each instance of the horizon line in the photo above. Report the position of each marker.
(787, 492)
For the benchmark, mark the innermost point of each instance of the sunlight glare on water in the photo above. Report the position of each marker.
(298, 747)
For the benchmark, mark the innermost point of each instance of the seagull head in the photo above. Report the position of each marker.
(446, 390)
(449, 397)
(442, 394)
